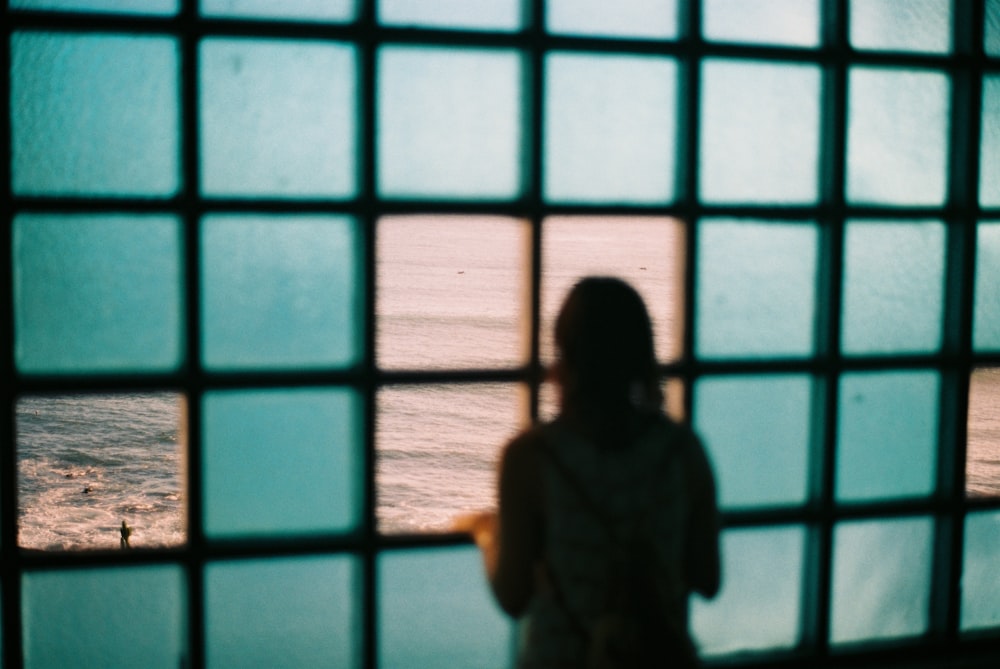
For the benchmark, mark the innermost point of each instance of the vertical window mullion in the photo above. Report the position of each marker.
(533, 144)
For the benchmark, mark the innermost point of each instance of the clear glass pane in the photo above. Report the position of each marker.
(451, 292)
(623, 18)
(758, 431)
(324, 10)
(646, 252)
(118, 617)
(893, 287)
(789, 22)
(881, 579)
(980, 585)
(299, 612)
(97, 293)
(759, 132)
(756, 288)
(897, 136)
(610, 128)
(94, 115)
(467, 14)
(989, 144)
(435, 610)
(759, 606)
(901, 25)
(449, 123)
(437, 449)
(282, 462)
(277, 118)
(281, 291)
(152, 7)
(982, 465)
(887, 435)
(986, 320)
(991, 35)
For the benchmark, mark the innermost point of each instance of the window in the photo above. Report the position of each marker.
(332, 235)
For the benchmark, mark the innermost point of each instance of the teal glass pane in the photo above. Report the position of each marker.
(97, 293)
(282, 462)
(901, 25)
(610, 126)
(759, 132)
(624, 18)
(281, 291)
(449, 123)
(893, 287)
(277, 118)
(758, 432)
(339, 11)
(94, 114)
(760, 604)
(887, 434)
(989, 144)
(756, 288)
(152, 7)
(986, 319)
(980, 585)
(435, 610)
(117, 617)
(788, 22)
(507, 15)
(991, 33)
(301, 612)
(881, 579)
(897, 136)
(982, 459)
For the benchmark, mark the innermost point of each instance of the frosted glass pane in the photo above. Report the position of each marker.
(986, 321)
(281, 291)
(901, 25)
(756, 288)
(153, 7)
(893, 287)
(120, 617)
(437, 451)
(277, 118)
(991, 36)
(435, 610)
(989, 144)
(449, 123)
(467, 14)
(887, 435)
(325, 10)
(94, 115)
(759, 606)
(623, 18)
(758, 431)
(97, 293)
(982, 466)
(897, 136)
(451, 292)
(791, 22)
(282, 462)
(980, 585)
(646, 252)
(610, 126)
(759, 132)
(881, 579)
(282, 613)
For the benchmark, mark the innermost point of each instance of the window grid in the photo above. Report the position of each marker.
(960, 213)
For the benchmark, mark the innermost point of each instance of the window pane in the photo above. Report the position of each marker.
(624, 18)
(154, 7)
(610, 126)
(434, 610)
(324, 10)
(97, 293)
(791, 22)
(986, 328)
(897, 136)
(759, 132)
(468, 14)
(118, 617)
(281, 291)
(94, 115)
(282, 462)
(980, 585)
(758, 432)
(277, 118)
(991, 35)
(282, 613)
(881, 579)
(756, 288)
(451, 292)
(982, 466)
(759, 606)
(901, 25)
(989, 145)
(449, 123)
(893, 287)
(646, 252)
(887, 435)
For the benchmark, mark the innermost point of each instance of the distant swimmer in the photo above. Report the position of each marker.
(88, 490)
(126, 533)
